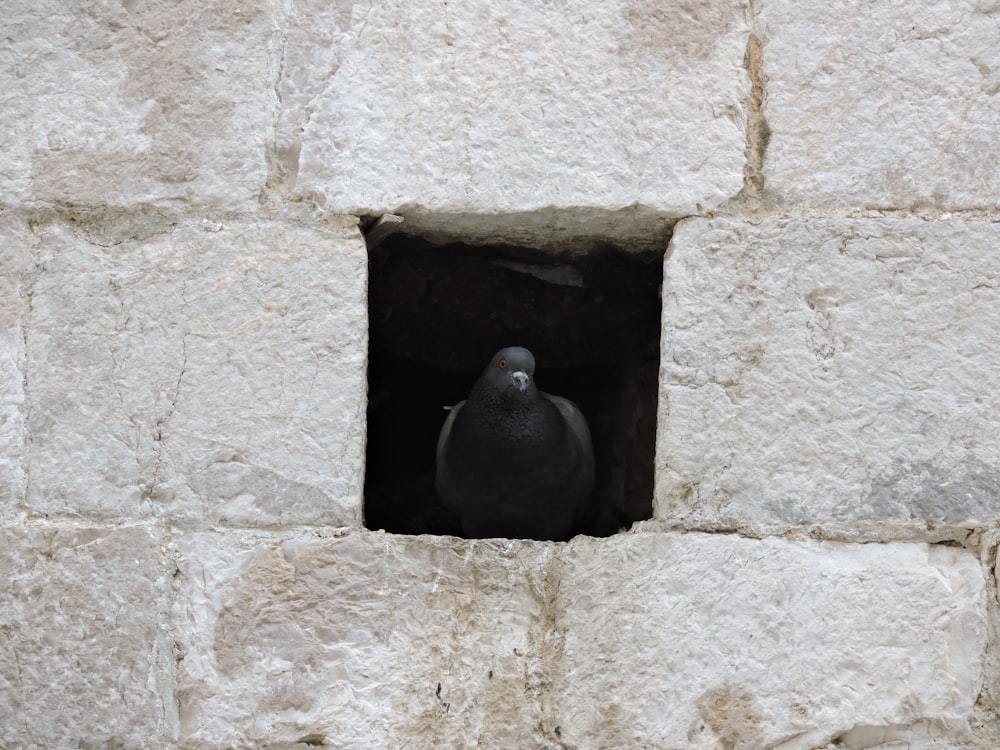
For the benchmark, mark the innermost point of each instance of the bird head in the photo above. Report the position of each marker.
(512, 367)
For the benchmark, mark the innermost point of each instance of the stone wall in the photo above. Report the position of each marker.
(183, 348)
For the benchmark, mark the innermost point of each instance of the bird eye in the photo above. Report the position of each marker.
(503, 364)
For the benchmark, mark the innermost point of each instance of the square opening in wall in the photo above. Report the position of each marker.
(439, 313)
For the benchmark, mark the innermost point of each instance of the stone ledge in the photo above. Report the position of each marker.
(611, 118)
(660, 640)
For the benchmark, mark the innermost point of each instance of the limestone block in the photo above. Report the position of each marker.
(85, 658)
(882, 105)
(367, 641)
(644, 640)
(712, 641)
(15, 259)
(833, 372)
(124, 103)
(209, 372)
(530, 121)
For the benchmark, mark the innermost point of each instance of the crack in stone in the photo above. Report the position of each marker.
(119, 356)
(27, 289)
(20, 691)
(161, 423)
(758, 131)
(277, 172)
(549, 649)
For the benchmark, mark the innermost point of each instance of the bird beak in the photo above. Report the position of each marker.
(520, 378)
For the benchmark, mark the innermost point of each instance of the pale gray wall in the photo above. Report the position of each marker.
(183, 343)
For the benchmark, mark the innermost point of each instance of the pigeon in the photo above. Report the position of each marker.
(513, 461)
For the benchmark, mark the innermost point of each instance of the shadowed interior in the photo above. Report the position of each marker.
(437, 315)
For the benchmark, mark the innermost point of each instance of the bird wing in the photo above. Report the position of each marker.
(576, 421)
(443, 479)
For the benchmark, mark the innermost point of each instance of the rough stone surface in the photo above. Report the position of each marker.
(358, 640)
(882, 104)
(207, 372)
(124, 103)
(15, 258)
(355, 639)
(85, 660)
(764, 643)
(184, 345)
(490, 119)
(834, 372)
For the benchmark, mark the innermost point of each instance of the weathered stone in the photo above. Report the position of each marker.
(833, 372)
(85, 659)
(658, 640)
(881, 104)
(15, 259)
(526, 122)
(712, 641)
(213, 372)
(121, 103)
(370, 640)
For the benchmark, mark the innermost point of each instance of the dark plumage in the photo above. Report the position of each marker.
(513, 461)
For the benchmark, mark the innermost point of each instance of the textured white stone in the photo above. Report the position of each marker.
(716, 641)
(542, 120)
(369, 641)
(125, 103)
(646, 640)
(211, 372)
(833, 372)
(15, 258)
(85, 659)
(883, 104)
